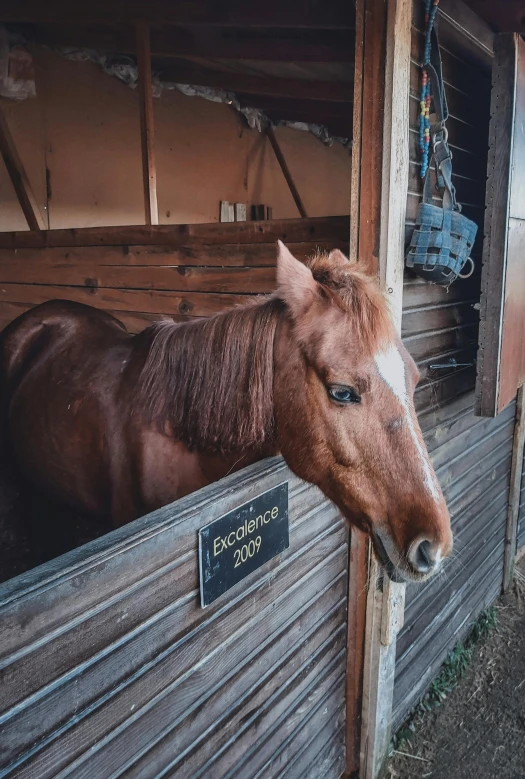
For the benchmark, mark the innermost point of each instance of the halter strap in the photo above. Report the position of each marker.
(441, 153)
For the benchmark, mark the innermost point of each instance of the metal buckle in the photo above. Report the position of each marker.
(471, 271)
(440, 137)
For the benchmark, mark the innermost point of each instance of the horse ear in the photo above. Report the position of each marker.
(295, 282)
(337, 256)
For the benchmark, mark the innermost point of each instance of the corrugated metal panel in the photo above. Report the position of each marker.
(110, 667)
(472, 456)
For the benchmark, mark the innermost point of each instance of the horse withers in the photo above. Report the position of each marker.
(119, 425)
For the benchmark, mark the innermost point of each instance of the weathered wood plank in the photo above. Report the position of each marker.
(178, 279)
(434, 394)
(146, 661)
(225, 255)
(417, 292)
(430, 622)
(468, 537)
(19, 178)
(291, 649)
(147, 124)
(516, 473)
(193, 734)
(194, 303)
(411, 686)
(311, 686)
(312, 753)
(322, 228)
(286, 172)
(502, 278)
(429, 346)
(295, 14)
(439, 317)
(170, 41)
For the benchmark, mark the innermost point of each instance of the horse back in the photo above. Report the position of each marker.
(27, 338)
(60, 369)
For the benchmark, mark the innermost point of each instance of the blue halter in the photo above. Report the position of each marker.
(443, 238)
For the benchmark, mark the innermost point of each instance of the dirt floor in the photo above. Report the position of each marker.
(478, 731)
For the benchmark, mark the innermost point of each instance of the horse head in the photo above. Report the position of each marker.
(343, 393)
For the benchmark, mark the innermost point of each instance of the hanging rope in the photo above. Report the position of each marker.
(431, 7)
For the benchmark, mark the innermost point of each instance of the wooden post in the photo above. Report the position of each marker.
(381, 193)
(514, 492)
(367, 139)
(286, 171)
(147, 129)
(359, 559)
(18, 176)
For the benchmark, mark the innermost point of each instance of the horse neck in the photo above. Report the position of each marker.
(211, 381)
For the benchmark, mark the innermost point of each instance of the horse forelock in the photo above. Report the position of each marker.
(358, 296)
(211, 380)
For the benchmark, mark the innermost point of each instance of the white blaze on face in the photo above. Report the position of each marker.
(392, 370)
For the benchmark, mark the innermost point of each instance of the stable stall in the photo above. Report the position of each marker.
(116, 659)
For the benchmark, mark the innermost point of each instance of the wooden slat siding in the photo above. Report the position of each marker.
(418, 644)
(474, 468)
(521, 516)
(321, 228)
(173, 279)
(419, 599)
(472, 456)
(110, 667)
(205, 255)
(141, 283)
(412, 687)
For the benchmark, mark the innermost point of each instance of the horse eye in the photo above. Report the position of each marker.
(344, 394)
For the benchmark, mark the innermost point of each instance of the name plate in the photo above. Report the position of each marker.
(236, 544)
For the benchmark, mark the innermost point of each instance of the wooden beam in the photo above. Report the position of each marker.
(500, 311)
(147, 131)
(359, 553)
(300, 14)
(385, 98)
(515, 491)
(286, 172)
(212, 43)
(319, 228)
(367, 148)
(508, 16)
(396, 162)
(18, 176)
(182, 72)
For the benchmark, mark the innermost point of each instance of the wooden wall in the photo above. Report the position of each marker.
(143, 274)
(79, 140)
(521, 516)
(472, 456)
(111, 668)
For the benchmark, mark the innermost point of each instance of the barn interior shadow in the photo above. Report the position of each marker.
(34, 530)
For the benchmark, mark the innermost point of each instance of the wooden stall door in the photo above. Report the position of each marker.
(109, 666)
(501, 356)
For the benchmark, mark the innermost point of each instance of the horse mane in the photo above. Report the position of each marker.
(211, 380)
(356, 293)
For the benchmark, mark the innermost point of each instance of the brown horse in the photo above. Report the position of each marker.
(119, 425)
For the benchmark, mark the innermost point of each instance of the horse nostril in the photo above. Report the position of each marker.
(423, 556)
